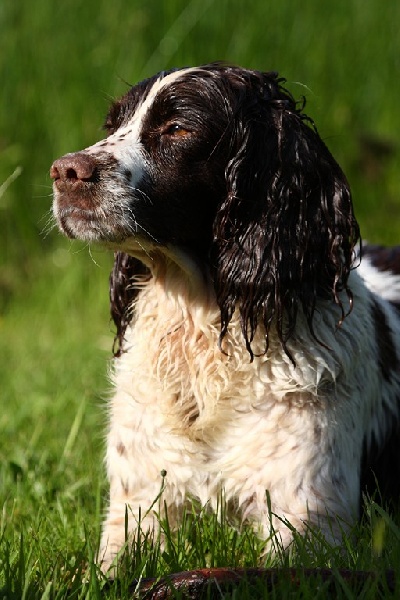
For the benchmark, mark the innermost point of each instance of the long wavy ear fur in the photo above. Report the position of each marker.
(285, 233)
(126, 270)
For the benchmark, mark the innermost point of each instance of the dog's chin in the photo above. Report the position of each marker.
(84, 225)
(116, 241)
(87, 231)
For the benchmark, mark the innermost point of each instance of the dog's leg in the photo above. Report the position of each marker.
(149, 468)
(294, 470)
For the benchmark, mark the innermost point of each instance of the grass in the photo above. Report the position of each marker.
(52, 554)
(59, 65)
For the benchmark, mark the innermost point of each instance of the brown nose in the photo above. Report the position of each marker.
(73, 167)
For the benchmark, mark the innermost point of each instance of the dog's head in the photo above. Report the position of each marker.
(220, 163)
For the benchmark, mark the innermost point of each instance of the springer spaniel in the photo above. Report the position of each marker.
(252, 358)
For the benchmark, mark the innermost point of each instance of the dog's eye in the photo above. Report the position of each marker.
(175, 130)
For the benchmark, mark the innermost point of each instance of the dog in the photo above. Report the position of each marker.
(256, 355)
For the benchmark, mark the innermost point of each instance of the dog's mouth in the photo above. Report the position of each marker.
(84, 199)
(76, 222)
(85, 224)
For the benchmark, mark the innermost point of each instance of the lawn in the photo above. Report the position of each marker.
(60, 64)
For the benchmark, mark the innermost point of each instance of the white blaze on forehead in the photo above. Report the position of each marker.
(124, 144)
(141, 111)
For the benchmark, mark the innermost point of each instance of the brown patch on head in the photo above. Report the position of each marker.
(387, 357)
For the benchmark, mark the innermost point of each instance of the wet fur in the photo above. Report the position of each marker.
(252, 358)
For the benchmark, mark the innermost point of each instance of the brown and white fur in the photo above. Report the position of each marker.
(253, 359)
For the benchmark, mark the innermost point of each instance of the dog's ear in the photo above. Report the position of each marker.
(126, 272)
(285, 233)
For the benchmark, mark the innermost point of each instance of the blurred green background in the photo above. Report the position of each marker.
(60, 64)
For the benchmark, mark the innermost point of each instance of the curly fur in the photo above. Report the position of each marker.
(251, 357)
